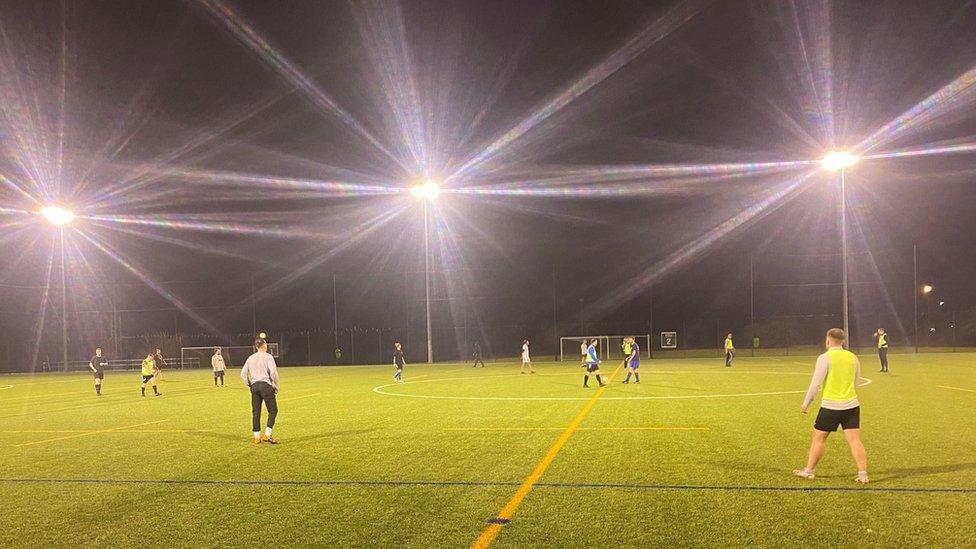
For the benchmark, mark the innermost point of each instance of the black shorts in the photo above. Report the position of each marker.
(99, 374)
(592, 367)
(218, 373)
(829, 420)
(146, 378)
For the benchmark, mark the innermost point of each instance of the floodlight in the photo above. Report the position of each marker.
(927, 289)
(426, 191)
(838, 161)
(57, 216)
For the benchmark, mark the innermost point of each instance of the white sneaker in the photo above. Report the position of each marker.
(803, 473)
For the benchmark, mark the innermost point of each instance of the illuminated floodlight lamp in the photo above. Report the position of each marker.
(927, 289)
(838, 161)
(428, 190)
(57, 216)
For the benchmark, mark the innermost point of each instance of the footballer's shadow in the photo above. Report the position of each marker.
(332, 434)
(907, 472)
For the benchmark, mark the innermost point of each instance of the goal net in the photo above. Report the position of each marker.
(235, 355)
(609, 348)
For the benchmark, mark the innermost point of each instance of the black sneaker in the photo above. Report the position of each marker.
(624, 382)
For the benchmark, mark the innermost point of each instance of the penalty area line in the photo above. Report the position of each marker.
(956, 388)
(87, 433)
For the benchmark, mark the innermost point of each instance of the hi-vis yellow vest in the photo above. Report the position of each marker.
(840, 381)
(882, 340)
(728, 344)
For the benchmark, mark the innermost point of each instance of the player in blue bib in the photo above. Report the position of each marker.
(633, 361)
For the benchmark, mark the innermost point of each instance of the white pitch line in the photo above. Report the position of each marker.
(7, 387)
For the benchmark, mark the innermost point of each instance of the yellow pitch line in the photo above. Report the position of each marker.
(578, 429)
(86, 433)
(956, 388)
(491, 532)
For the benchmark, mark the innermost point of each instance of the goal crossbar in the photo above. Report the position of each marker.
(608, 343)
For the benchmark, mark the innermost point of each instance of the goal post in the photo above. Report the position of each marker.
(234, 355)
(610, 346)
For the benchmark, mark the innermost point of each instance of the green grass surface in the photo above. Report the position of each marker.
(364, 462)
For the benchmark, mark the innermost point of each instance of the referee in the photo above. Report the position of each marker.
(838, 371)
(882, 348)
(260, 374)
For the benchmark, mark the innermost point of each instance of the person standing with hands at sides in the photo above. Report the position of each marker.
(882, 348)
(729, 350)
(476, 352)
(398, 361)
(526, 361)
(633, 361)
(837, 371)
(583, 347)
(149, 372)
(217, 361)
(592, 364)
(260, 374)
(98, 364)
(625, 350)
(160, 362)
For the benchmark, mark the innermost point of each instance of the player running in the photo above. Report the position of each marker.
(398, 361)
(633, 361)
(149, 372)
(882, 348)
(526, 360)
(838, 371)
(729, 350)
(260, 374)
(217, 361)
(98, 364)
(592, 364)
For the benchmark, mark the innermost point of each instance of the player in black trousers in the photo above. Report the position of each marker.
(98, 364)
(476, 352)
(882, 348)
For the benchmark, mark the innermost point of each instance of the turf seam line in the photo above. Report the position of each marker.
(492, 484)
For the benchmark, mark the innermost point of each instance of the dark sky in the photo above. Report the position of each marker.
(202, 144)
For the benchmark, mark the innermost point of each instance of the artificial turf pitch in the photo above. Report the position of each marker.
(696, 455)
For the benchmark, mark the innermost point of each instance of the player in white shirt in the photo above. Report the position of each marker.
(217, 361)
(526, 361)
(583, 347)
(260, 374)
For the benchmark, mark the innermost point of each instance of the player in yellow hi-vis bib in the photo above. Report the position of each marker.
(837, 371)
(729, 350)
(149, 372)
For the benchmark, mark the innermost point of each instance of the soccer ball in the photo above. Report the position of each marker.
(263, 335)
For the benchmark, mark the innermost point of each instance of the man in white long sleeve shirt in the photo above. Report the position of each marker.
(837, 372)
(217, 361)
(260, 373)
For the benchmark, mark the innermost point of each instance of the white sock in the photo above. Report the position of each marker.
(267, 431)
(257, 434)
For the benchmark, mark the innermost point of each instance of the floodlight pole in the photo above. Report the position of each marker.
(430, 344)
(64, 304)
(843, 245)
(915, 296)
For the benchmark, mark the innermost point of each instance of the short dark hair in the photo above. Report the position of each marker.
(259, 342)
(837, 334)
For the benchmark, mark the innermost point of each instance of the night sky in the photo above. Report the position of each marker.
(600, 153)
